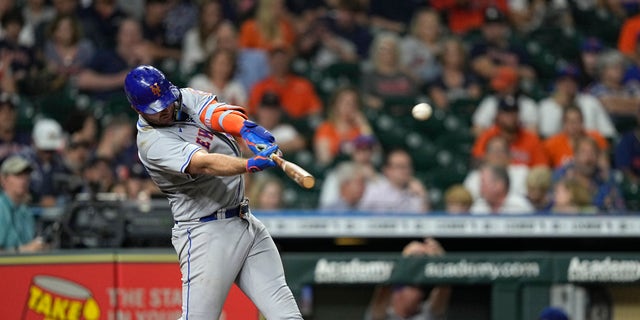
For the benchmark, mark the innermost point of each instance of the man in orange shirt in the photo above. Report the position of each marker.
(525, 146)
(297, 94)
(559, 147)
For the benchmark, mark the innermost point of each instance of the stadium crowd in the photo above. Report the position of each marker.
(536, 103)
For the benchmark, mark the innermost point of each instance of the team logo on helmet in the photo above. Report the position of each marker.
(155, 88)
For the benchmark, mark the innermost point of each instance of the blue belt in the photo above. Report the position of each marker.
(238, 211)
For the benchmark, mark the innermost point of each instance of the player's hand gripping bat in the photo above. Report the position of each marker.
(295, 172)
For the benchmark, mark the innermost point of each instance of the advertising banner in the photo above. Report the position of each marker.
(102, 286)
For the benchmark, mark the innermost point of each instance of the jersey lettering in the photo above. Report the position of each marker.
(204, 138)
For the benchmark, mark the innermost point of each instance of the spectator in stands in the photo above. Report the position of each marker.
(351, 186)
(297, 94)
(559, 147)
(17, 224)
(98, 176)
(494, 49)
(253, 65)
(82, 126)
(590, 49)
(323, 48)
(628, 38)
(411, 301)
(525, 146)
(345, 122)
(619, 99)
(422, 45)
(101, 23)
(181, 16)
(20, 60)
(11, 141)
(66, 51)
(60, 8)
(365, 155)
(269, 29)
(572, 197)
(344, 22)
(48, 141)
(270, 116)
(627, 153)
(399, 191)
(566, 94)
(588, 169)
(539, 183)
(457, 200)
(497, 153)
(455, 81)
(495, 197)
(392, 16)
(267, 193)
(117, 146)
(505, 83)
(154, 32)
(386, 79)
(467, 15)
(104, 76)
(200, 41)
(218, 77)
(35, 13)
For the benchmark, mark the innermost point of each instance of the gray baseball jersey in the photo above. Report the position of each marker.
(166, 152)
(213, 254)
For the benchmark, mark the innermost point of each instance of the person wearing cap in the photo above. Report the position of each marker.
(565, 94)
(48, 141)
(17, 224)
(505, 83)
(465, 16)
(590, 49)
(270, 115)
(525, 146)
(494, 49)
(365, 155)
(552, 313)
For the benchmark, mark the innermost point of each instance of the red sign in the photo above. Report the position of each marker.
(52, 288)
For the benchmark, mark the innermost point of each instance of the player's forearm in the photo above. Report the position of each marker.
(216, 164)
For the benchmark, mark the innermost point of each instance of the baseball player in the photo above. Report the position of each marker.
(186, 143)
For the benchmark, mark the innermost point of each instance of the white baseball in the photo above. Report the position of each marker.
(421, 111)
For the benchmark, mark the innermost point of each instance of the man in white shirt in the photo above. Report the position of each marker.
(495, 197)
(566, 94)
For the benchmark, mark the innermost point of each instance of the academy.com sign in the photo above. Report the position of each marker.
(352, 271)
(603, 270)
(483, 269)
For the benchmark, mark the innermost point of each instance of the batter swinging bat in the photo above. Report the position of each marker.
(295, 172)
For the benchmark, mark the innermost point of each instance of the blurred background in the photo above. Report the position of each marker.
(519, 193)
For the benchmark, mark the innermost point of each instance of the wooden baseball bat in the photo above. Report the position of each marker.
(295, 172)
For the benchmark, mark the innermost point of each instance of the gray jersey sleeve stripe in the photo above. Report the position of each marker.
(184, 166)
(210, 110)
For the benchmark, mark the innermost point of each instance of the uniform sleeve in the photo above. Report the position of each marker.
(214, 114)
(171, 155)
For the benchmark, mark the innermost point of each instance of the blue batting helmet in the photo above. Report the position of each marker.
(148, 90)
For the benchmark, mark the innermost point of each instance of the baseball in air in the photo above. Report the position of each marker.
(421, 111)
